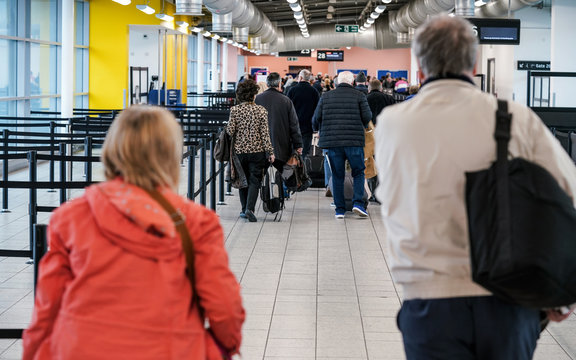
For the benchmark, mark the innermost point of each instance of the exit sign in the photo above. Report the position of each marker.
(292, 59)
(347, 28)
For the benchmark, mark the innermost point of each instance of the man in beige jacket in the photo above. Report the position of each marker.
(424, 147)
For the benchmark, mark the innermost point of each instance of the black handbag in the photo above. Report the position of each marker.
(522, 228)
(222, 146)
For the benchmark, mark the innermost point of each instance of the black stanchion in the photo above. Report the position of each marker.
(52, 146)
(6, 135)
(212, 173)
(229, 185)
(88, 153)
(62, 173)
(221, 184)
(32, 206)
(191, 171)
(39, 249)
(202, 184)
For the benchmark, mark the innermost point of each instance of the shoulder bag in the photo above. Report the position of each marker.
(214, 350)
(222, 146)
(522, 228)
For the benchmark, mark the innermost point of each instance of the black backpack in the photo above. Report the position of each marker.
(272, 193)
(296, 176)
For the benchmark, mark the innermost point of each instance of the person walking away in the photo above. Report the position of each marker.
(377, 100)
(113, 283)
(361, 83)
(317, 84)
(248, 126)
(427, 145)
(305, 99)
(282, 122)
(401, 86)
(341, 117)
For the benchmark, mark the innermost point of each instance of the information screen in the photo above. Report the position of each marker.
(498, 34)
(330, 55)
(496, 31)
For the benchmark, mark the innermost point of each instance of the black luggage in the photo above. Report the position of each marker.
(272, 193)
(315, 166)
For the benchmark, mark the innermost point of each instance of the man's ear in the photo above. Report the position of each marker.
(421, 76)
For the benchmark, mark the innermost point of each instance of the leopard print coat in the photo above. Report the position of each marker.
(249, 123)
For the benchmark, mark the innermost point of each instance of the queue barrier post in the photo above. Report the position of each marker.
(33, 204)
(213, 176)
(191, 171)
(6, 135)
(63, 173)
(52, 146)
(88, 153)
(202, 184)
(39, 249)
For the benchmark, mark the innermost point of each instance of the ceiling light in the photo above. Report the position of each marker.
(374, 15)
(362, 28)
(370, 21)
(332, 1)
(123, 2)
(295, 7)
(367, 25)
(329, 16)
(302, 26)
(216, 36)
(348, 47)
(451, 15)
(304, 32)
(230, 41)
(164, 17)
(380, 9)
(298, 15)
(223, 39)
(292, 1)
(330, 8)
(301, 21)
(206, 33)
(306, 35)
(386, 1)
(146, 9)
(196, 29)
(479, 3)
(182, 24)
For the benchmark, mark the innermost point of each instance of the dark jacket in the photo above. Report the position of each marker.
(362, 88)
(377, 101)
(341, 116)
(282, 121)
(305, 99)
(318, 86)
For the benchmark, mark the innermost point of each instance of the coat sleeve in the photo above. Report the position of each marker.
(217, 288)
(295, 134)
(231, 127)
(365, 112)
(265, 132)
(317, 118)
(54, 275)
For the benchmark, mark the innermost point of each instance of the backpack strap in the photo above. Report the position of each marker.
(502, 136)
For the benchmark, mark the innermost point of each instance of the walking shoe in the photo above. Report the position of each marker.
(328, 192)
(339, 215)
(250, 216)
(242, 215)
(360, 211)
(332, 204)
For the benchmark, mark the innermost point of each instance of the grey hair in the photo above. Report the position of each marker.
(346, 77)
(305, 75)
(273, 80)
(445, 45)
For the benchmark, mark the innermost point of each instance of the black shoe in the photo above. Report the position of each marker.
(243, 215)
(250, 216)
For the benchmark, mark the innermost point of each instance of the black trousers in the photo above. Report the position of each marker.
(253, 165)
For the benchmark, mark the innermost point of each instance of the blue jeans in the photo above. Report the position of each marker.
(327, 171)
(337, 157)
(468, 328)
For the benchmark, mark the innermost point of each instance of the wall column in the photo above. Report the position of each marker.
(563, 52)
(67, 63)
(214, 66)
(199, 69)
(224, 67)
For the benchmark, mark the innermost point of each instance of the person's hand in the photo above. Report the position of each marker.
(271, 158)
(557, 315)
(299, 151)
(316, 135)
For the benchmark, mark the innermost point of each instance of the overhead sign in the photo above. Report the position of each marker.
(301, 53)
(496, 31)
(329, 55)
(346, 28)
(292, 59)
(533, 65)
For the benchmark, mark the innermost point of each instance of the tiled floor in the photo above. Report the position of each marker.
(313, 287)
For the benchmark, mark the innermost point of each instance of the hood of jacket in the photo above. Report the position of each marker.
(129, 218)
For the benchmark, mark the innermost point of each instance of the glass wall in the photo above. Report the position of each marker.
(30, 55)
(192, 63)
(207, 63)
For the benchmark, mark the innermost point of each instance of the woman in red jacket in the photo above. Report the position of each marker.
(113, 284)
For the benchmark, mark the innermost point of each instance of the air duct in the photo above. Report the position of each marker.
(265, 48)
(189, 7)
(497, 8)
(222, 23)
(464, 8)
(240, 34)
(254, 42)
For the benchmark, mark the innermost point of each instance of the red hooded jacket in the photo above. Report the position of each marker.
(113, 283)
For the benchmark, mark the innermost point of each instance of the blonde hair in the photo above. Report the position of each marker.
(144, 146)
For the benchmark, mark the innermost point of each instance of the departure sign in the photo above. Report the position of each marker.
(330, 55)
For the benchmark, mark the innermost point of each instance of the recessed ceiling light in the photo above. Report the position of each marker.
(330, 8)
(196, 29)
(146, 9)
(479, 3)
(123, 2)
(370, 21)
(301, 21)
(295, 7)
(386, 1)
(329, 16)
(292, 1)
(182, 24)
(374, 15)
(380, 9)
(367, 25)
(164, 17)
(298, 15)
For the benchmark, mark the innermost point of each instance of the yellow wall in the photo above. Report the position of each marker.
(109, 41)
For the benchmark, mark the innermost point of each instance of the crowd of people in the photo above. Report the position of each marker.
(136, 271)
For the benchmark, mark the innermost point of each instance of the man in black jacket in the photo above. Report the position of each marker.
(341, 117)
(282, 121)
(305, 99)
(377, 100)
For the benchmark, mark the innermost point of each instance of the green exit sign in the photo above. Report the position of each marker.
(347, 28)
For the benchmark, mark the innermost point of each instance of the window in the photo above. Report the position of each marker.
(8, 17)
(192, 63)
(43, 26)
(44, 69)
(7, 68)
(81, 37)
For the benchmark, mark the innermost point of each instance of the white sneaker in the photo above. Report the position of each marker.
(339, 216)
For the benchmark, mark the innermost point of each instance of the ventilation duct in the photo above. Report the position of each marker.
(497, 8)
(255, 42)
(189, 7)
(464, 8)
(240, 34)
(265, 48)
(222, 23)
